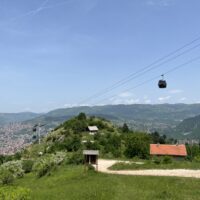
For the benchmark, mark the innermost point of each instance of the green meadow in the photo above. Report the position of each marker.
(73, 183)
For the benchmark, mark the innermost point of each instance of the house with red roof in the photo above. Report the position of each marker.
(176, 151)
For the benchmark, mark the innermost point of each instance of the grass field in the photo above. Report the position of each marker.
(152, 165)
(70, 182)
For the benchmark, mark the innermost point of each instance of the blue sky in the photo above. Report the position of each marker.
(56, 53)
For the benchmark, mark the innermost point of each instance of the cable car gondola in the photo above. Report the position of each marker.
(34, 129)
(162, 83)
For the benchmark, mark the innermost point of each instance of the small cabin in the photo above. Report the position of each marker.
(93, 130)
(175, 151)
(91, 157)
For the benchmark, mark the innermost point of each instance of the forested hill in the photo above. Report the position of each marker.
(164, 118)
(112, 141)
(138, 116)
(189, 128)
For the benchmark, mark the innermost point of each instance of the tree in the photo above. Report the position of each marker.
(113, 145)
(2, 158)
(137, 144)
(73, 143)
(82, 116)
(156, 138)
(125, 128)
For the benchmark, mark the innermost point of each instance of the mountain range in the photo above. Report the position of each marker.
(176, 120)
(6, 118)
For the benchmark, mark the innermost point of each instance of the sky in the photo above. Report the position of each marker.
(60, 53)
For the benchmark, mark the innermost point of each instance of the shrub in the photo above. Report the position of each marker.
(27, 165)
(18, 156)
(46, 165)
(6, 177)
(59, 157)
(108, 155)
(157, 160)
(197, 159)
(167, 160)
(18, 193)
(15, 167)
(43, 167)
(76, 158)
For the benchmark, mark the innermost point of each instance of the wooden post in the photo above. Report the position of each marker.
(97, 164)
(89, 159)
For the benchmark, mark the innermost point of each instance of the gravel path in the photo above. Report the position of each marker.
(105, 164)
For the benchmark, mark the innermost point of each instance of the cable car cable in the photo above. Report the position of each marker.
(150, 69)
(154, 78)
(124, 80)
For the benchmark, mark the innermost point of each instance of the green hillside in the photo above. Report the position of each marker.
(163, 118)
(189, 128)
(138, 117)
(54, 169)
(71, 183)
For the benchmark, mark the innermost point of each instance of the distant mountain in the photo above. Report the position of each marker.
(189, 128)
(138, 116)
(6, 118)
(174, 120)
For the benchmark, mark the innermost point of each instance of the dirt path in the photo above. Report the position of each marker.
(105, 164)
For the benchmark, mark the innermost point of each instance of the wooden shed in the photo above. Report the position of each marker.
(93, 130)
(91, 157)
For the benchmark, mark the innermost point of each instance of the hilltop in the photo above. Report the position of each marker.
(73, 136)
(163, 118)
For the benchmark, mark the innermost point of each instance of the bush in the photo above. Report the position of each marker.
(46, 165)
(59, 157)
(108, 155)
(167, 160)
(76, 158)
(15, 167)
(197, 159)
(157, 160)
(18, 193)
(27, 165)
(6, 177)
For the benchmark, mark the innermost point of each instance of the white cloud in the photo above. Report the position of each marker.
(43, 6)
(147, 101)
(183, 99)
(164, 98)
(68, 105)
(27, 109)
(124, 101)
(175, 91)
(125, 94)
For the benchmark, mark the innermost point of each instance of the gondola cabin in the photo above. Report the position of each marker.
(162, 83)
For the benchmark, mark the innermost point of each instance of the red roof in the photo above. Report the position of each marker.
(170, 150)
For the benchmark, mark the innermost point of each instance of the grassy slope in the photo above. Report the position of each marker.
(71, 183)
(151, 165)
